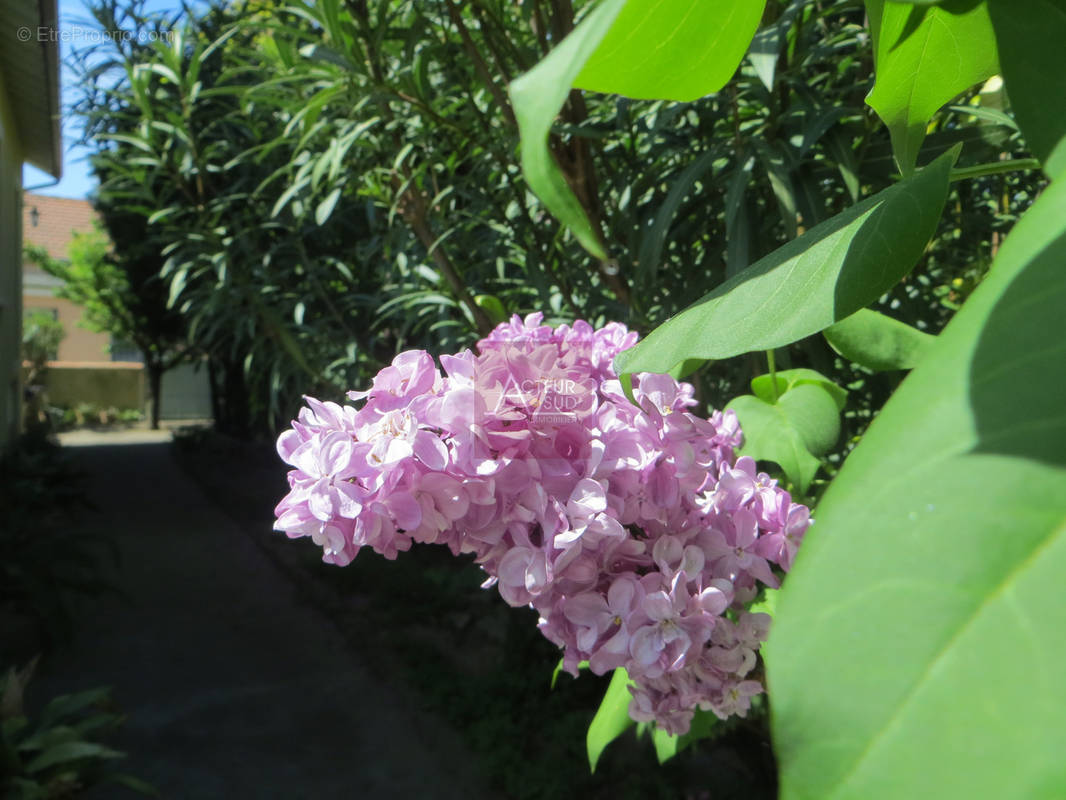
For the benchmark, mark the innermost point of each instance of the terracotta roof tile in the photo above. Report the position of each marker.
(58, 218)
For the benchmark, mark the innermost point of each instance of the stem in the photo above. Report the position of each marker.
(994, 168)
(773, 374)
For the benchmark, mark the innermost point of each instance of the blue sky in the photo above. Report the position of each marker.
(76, 181)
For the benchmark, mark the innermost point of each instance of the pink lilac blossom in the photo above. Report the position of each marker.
(633, 530)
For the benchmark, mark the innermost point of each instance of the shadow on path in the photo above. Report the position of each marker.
(235, 687)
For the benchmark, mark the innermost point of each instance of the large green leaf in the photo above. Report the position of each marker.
(825, 275)
(918, 645)
(877, 342)
(670, 49)
(925, 55)
(1030, 36)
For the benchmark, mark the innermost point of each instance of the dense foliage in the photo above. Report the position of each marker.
(329, 183)
(366, 196)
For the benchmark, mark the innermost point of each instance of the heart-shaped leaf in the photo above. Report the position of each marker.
(925, 55)
(802, 424)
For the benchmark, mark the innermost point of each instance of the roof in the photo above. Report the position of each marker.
(29, 62)
(57, 219)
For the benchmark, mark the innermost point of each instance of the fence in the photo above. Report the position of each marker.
(124, 385)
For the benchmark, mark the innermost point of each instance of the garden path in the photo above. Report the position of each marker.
(234, 685)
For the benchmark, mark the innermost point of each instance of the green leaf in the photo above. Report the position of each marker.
(325, 208)
(665, 744)
(559, 669)
(70, 751)
(492, 306)
(877, 342)
(686, 368)
(668, 745)
(671, 49)
(1030, 36)
(651, 244)
(537, 97)
(802, 424)
(612, 718)
(64, 706)
(737, 227)
(825, 275)
(918, 646)
(766, 45)
(925, 56)
(761, 385)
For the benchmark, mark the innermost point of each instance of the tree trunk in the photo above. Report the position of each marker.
(216, 399)
(155, 383)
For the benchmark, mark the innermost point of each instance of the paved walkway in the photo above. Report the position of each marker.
(234, 687)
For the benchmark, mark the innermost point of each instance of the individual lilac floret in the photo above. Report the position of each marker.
(633, 530)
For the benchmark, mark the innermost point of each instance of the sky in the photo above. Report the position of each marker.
(74, 31)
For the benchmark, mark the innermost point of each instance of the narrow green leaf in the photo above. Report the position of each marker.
(1030, 36)
(737, 229)
(67, 752)
(918, 645)
(325, 208)
(766, 45)
(651, 244)
(780, 176)
(925, 56)
(847, 164)
(66, 705)
(825, 275)
(672, 49)
(612, 718)
(877, 342)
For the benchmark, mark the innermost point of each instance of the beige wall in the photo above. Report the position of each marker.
(79, 344)
(10, 270)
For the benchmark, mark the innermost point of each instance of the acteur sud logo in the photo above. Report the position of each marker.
(544, 400)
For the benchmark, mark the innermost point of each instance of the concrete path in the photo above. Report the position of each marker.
(234, 687)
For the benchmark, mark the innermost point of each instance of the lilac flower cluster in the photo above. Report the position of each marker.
(633, 531)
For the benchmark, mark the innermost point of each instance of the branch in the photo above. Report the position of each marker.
(479, 63)
(417, 217)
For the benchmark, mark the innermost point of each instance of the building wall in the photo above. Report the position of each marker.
(51, 222)
(10, 270)
(78, 344)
